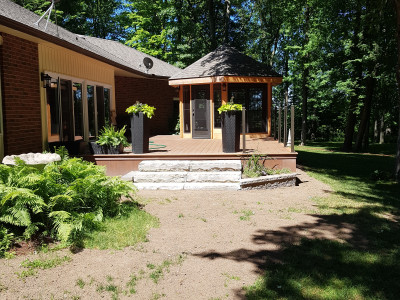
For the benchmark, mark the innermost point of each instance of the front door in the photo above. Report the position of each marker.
(201, 119)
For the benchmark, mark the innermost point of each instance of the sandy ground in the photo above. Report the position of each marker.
(214, 243)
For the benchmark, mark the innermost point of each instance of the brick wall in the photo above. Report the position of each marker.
(21, 95)
(156, 93)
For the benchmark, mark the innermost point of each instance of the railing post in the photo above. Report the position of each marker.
(292, 128)
(279, 124)
(244, 128)
(285, 129)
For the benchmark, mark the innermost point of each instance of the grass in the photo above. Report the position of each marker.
(125, 230)
(32, 266)
(363, 265)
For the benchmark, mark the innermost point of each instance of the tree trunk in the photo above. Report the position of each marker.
(227, 19)
(397, 11)
(376, 131)
(304, 85)
(351, 114)
(382, 131)
(211, 23)
(365, 114)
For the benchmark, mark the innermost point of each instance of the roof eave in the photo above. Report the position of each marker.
(274, 80)
(48, 37)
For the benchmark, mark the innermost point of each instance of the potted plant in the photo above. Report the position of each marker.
(230, 126)
(141, 113)
(110, 141)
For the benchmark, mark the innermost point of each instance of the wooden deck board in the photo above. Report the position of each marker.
(177, 146)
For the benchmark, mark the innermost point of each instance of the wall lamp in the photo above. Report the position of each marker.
(224, 86)
(46, 79)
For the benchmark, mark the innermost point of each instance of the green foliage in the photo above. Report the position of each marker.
(254, 167)
(32, 266)
(66, 199)
(5, 240)
(147, 110)
(109, 136)
(361, 265)
(230, 106)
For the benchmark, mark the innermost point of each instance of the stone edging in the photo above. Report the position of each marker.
(268, 182)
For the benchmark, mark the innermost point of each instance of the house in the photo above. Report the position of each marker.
(219, 77)
(57, 86)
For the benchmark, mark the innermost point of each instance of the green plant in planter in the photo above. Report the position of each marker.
(230, 106)
(109, 136)
(146, 109)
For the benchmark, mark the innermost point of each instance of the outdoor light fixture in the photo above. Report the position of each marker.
(46, 79)
(224, 86)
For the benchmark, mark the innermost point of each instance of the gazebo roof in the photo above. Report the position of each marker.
(226, 61)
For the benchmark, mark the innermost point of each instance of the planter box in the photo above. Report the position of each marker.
(230, 127)
(140, 133)
(98, 149)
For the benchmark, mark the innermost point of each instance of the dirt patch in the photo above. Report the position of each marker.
(209, 245)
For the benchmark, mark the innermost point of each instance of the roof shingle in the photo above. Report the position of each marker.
(226, 61)
(114, 52)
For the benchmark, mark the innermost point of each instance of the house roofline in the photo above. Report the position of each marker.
(48, 37)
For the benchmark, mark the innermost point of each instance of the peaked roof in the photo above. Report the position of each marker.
(226, 61)
(111, 52)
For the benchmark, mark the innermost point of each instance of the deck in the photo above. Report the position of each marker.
(172, 147)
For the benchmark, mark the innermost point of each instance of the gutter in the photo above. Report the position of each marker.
(60, 42)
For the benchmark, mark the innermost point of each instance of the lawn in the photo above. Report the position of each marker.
(366, 265)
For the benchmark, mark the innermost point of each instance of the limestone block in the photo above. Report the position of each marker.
(229, 176)
(211, 186)
(159, 186)
(215, 165)
(160, 177)
(164, 166)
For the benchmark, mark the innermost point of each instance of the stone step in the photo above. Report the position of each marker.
(189, 165)
(187, 186)
(181, 177)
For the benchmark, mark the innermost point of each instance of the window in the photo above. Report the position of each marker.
(70, 116)
(217, 104)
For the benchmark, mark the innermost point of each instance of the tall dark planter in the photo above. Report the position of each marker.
(230, 131)
(140, 133)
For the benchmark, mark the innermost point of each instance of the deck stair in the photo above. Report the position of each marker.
(187, 175)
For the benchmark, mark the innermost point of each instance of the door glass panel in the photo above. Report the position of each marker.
(254, 110)
(107, 116)
(91, 111)
(53, 113)
(67, 115)
(78, 110)
(200, 115)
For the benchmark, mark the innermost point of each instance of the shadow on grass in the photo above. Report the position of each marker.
(363, 262)
(352, 255)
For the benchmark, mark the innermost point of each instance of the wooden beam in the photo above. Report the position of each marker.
(212, 110)
(227, 79)
(269, 108)
(181, 111)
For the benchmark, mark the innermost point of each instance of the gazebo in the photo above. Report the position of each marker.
(219, 77)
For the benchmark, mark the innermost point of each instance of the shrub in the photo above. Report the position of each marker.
(65, 200)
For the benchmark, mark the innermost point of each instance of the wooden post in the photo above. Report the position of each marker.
(279, 124)
(244, 128)
(274, 122)
(181, 112)
(212, 110)
(292, 129)
(285, 129)
(269, 108)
